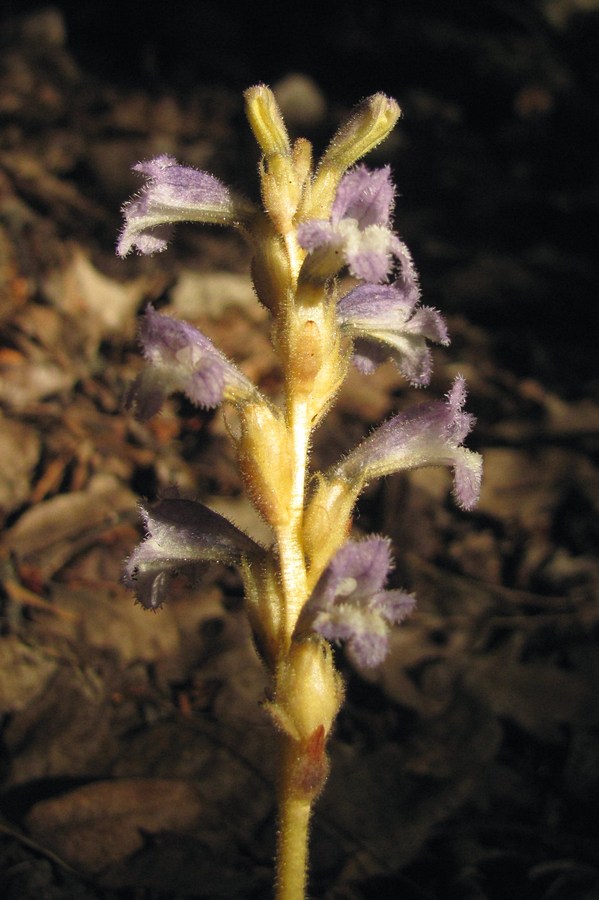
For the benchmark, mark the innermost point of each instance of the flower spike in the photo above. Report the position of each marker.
(311, 586)
(430, 434)
(181, 358)
(350, 604)
(182, 535)
(172, 193)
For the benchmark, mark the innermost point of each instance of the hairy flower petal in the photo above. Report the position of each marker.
(172, 193)
(350, 604)
(430, 434)
(318, 233)
(359, 568)
(366, 196)
(383, 320)
(181, 358)
(368, 251)
(358, 233)
(182, 535)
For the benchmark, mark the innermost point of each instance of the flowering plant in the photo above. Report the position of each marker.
(313, 585)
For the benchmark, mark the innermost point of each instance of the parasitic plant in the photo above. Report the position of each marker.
(313, 585)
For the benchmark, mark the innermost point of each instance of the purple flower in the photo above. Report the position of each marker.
(182, 535)
(181, 358)
(385, 323)
(350, 604)
(430, 434)
(172, 193)
(358, 233)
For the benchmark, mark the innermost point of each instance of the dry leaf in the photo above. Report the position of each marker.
(48, 535)
(20, 449)
(102, 823)
(24, 673)
(94, 301)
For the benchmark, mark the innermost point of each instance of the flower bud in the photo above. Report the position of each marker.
(266, 121)
(306, 358)
(370, 123)
(308, 690)
(264, 461)
(327, 520)
(271, 271)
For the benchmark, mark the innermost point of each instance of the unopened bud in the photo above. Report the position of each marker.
(308, 690)
(271, 271)
(369, 124)
(266, 121)
(264, 461)
(306, 357)
(327, 520)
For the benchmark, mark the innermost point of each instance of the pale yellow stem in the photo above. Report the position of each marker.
(300, 437)
(293, 577)
(295, 252)
(292, 839)
(294, 799)
(294, 806)
(291, 554)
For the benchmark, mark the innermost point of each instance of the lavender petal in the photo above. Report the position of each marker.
(181, 358)
(182, 535)
(172, 193)
(430, 434)
(366, 196)
(358, 233)
(385, 323)
(349, 603)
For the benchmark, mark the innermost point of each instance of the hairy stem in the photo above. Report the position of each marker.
(294, 806)
(291, 554)
(292, 842)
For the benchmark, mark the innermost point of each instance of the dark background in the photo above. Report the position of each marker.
(495, 160)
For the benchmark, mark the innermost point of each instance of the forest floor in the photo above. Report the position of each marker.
(136, 756)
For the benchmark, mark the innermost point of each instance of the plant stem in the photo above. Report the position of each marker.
(291, 554)
(294, 817)
(299, 763)
(294, 804)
